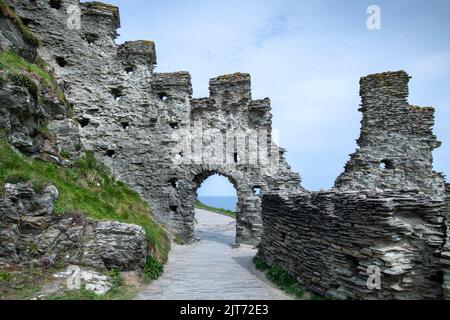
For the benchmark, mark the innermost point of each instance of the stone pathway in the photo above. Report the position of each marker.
(211, 269)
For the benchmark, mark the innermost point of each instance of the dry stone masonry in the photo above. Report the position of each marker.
(386, 218)
(381, 233)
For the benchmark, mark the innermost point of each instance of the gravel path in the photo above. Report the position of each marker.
(211, 269)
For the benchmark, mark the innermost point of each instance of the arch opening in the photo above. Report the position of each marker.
(216, 207)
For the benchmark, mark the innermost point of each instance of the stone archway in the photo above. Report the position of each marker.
(248, 219)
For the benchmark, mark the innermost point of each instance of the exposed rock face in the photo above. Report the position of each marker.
(20, 117)
(31, 234)
(11, 38)
(25, 108)
(135, 119)
(392, 218)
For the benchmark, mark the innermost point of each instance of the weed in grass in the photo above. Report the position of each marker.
(6, 276)
(280, 277)
(153, 269)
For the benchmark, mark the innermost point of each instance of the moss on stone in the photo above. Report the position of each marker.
(7, 12)
(233, 77)
(33, 77)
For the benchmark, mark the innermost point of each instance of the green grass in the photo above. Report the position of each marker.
(29, 75)
(6, 276)
(280, 277)
(7, 12)
(85, 187)
(200, 205)
(120, 293)
(153, 269)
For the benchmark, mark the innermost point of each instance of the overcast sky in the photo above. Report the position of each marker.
(307, 56)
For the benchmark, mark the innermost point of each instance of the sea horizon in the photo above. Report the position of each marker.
(220, 202)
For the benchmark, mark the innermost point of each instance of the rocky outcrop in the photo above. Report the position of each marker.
(12, 37)
(20, 116)
(31, 234)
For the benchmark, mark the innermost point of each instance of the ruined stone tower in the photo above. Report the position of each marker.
(134, 118)
(396, 142)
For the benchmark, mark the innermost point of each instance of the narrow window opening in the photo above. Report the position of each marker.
(117, 94)
(55, 4)
(173, 208)
(257, 190)
(125, 125)
(111, 153)
(174, 125)
(163, 96)
(236, 157)
(129, 69)
(175, 183)
(387, 164)
(61, 62)
(84, 122)
(91, 37)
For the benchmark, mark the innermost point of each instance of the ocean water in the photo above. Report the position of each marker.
(228, 203)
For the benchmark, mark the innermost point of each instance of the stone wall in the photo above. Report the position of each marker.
(387, 212)
(330, 240)
(135, 118)
(446, 249)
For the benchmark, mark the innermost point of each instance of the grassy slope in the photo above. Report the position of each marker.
(15, 68)
(85, 187)
(200, 205)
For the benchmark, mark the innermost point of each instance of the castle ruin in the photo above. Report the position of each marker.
(387, 212)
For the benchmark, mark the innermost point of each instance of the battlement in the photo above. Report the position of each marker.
(164, 84)
(231, 78)
(102, 11)
(140, 52)
(389, 83)
(231, 89)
